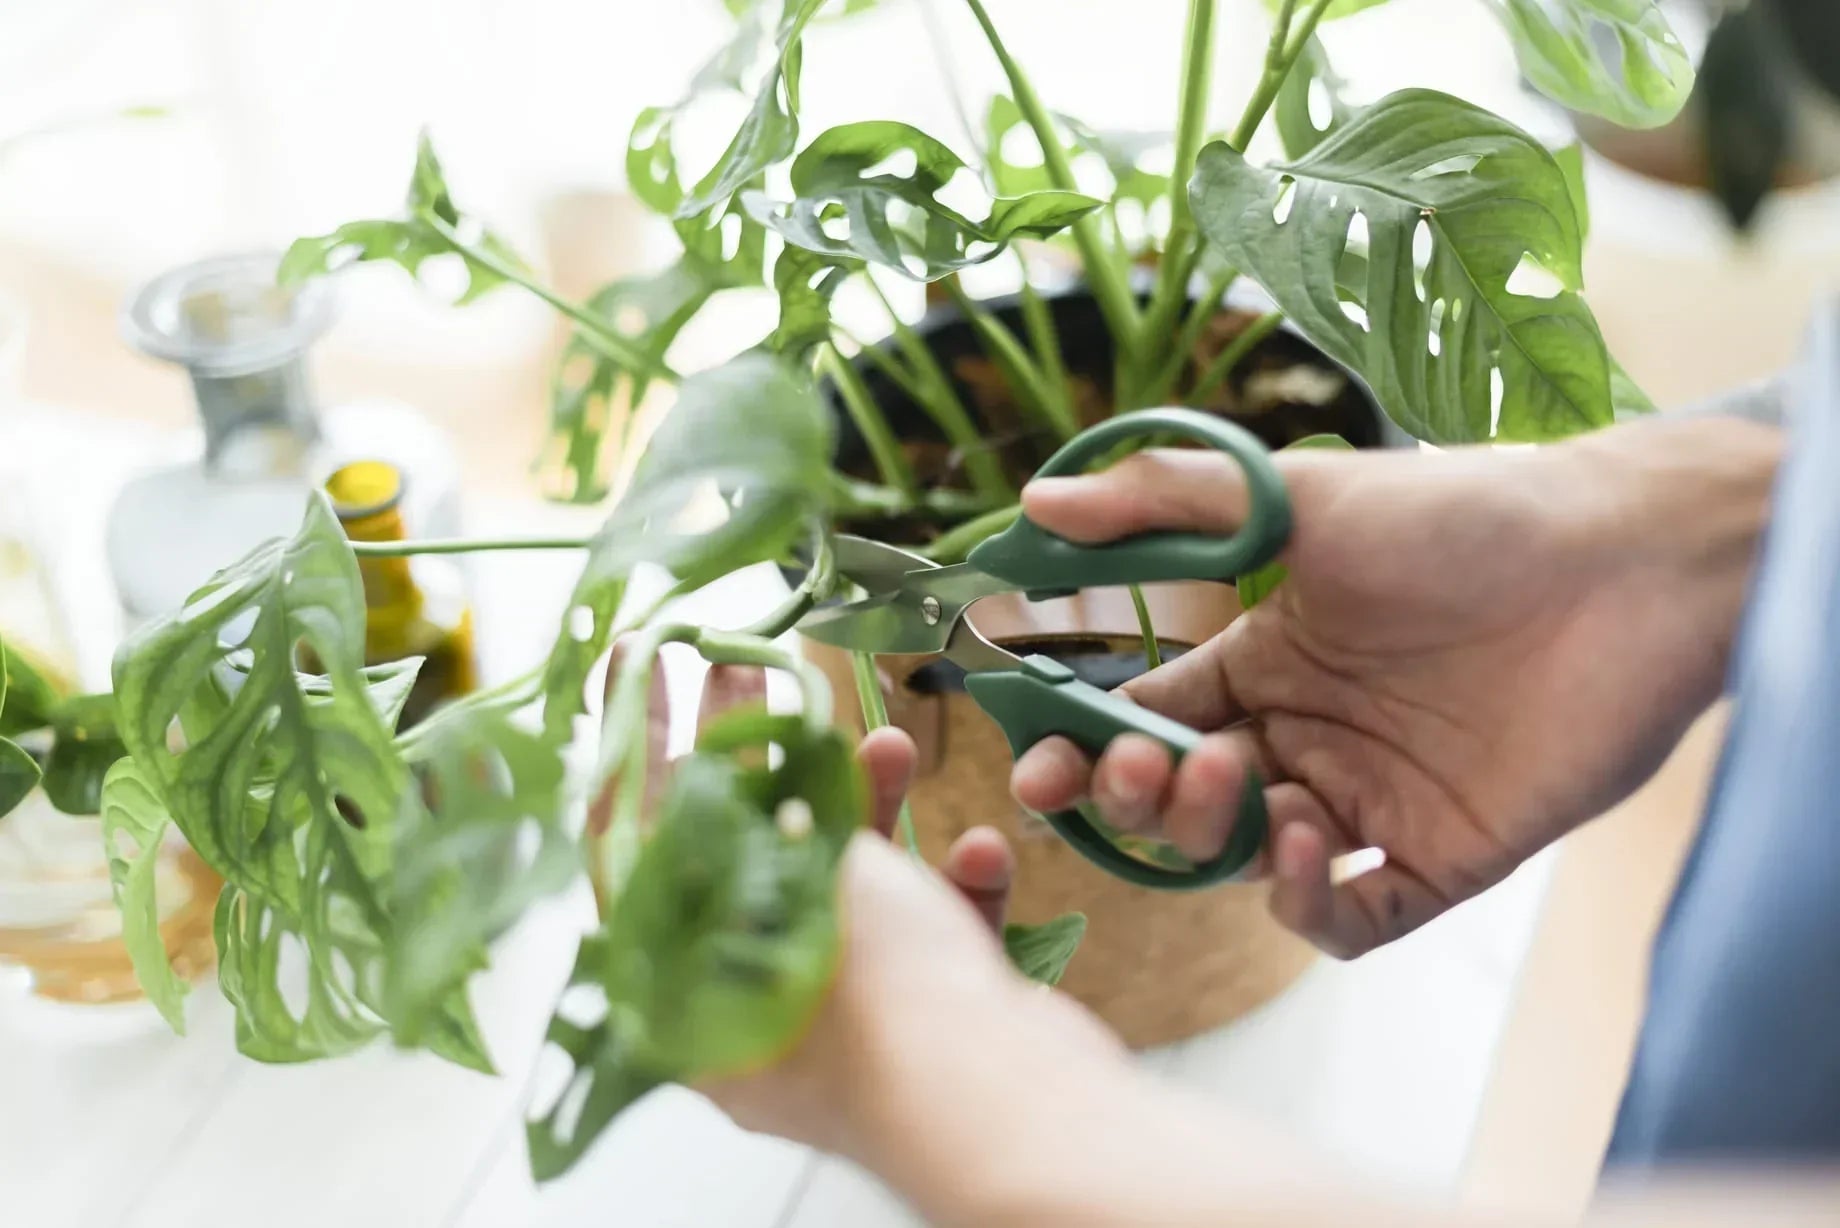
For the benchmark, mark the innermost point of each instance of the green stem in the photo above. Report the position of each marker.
(1153, 653)
(465, 545)
(1279, 57)
(954, 545)
(596, 332)
(875, 716)
(1110, 284)
(884, 448)
(812, 589)
(1199, 313)
(1182, 251)
(1229, 358)
(1025, 378)
(850, 497)
(1047, 346)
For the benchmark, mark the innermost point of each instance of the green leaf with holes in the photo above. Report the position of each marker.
(410, 240)
(1122, 153)
(806, 282)
(288, 784)
(770, 131)
(1256, 586)
(754, 431)
(720, 945)
(134, 824)
(847, 206)
(1299, 128)
(1042, 952)
(1615, 58)
(1428, 330)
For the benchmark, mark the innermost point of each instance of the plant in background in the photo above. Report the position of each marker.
(1430, 248)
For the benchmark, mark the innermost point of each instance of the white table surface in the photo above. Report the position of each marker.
(106, 1119)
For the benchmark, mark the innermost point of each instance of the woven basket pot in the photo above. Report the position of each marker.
(1157, 967)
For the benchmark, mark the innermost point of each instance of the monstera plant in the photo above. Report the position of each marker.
(1430, 248)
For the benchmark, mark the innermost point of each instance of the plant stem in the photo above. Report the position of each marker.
(1110, 284)
(883, 447)
(1279, 57)
(465, 545)
(1231, 357)
(954, 545)
(812, 589)
(1182, 252)
(875, 716)
(850, 497)
(596, 332)
(1153, 653)
(1199, 313)
(1025, 378)
(1047, 346)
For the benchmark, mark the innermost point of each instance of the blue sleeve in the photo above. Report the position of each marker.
(1739, 1057)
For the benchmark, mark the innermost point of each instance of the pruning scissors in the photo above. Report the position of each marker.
(916, 606)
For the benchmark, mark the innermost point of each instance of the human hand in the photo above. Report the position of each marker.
(1473, 653)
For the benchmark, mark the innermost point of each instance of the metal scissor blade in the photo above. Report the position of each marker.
(879, 569)
(913, 606)
(968, 648)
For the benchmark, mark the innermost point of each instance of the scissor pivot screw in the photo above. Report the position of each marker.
(929, 610)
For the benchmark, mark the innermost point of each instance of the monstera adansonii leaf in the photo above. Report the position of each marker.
(1614, 58)
(1433, 249)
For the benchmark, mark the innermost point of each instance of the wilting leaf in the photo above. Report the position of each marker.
(1472, 266)
(134, 823)
(753, 429)
(409, 241)
(1298, 129)
(1042, 952)
(896, 219)
(718, 948)
(1614, 58)
(289, 786)
(84, 746)
(1256, 586)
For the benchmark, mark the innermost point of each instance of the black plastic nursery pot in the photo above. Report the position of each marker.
(1157, 967)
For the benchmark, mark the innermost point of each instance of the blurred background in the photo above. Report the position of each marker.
(139, 135)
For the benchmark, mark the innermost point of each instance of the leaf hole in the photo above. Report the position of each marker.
(292, 968)
(567, 1119)
(1421, 256)
(1287, 198)
(834, 226)
(732, 227)
(979, 250)
(900, 163)
(585, 1006)
(1438, 309)
(963, 192)
(1321, 105)
(1456, 164)
(1357, 239)
(348, 810)
(1497, 392)
(1356, 313)
(1531, 279)
(1020, 149)
(581, 624)
(1435, 344)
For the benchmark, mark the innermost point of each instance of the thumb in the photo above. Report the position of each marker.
(1156, 489)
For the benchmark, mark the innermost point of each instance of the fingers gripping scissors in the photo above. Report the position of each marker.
(913, 605)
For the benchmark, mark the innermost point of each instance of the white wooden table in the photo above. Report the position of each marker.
(107, 1120)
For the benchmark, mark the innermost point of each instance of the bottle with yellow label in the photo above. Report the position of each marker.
(413, 607)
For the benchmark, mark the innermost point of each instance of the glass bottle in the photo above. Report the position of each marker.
(243, 341)
(60, 932)
(413, 607)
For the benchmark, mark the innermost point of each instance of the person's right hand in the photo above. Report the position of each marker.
(1473, 653)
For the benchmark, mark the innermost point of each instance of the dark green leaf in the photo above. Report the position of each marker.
(134, 823)
(1298, 128)
(1614, 58)
(719, 947)
(30, 697)
(1042, 952)
(770, 132)
(1571, 160)
(1257, 586)
(409, 241)
(896, 219)
(754, 429)
(84, 746)
(19, 773)
(1495, 296)
(289, 785)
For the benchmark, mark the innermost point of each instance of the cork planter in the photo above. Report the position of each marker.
(1158, 967)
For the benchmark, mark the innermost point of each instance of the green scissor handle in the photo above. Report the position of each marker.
(1043, 698)
(1043, 565)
